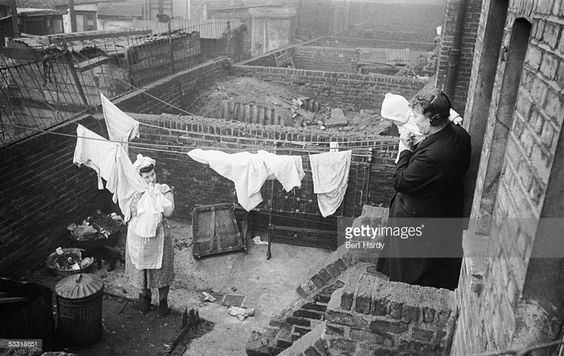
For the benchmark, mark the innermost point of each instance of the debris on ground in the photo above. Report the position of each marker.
(337, 118)
(258, 241)
(208, 297)
(294, 108)
(241, 313)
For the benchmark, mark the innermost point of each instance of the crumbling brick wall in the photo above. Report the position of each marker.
(369, 315)
(355, 91)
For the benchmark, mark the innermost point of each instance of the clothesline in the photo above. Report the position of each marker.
(155, 147)
(299, 143)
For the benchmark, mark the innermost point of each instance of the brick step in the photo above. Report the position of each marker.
(301, 331)
(271, 351)
(309, 314)
(277, 323)
(322, 298)
(315, 306)
(298, 321)
(333, 287)
(283, 344)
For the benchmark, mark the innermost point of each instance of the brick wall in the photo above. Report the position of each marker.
(269, 59)
(179, 90)
(198, 184)
(326, 59)
(470, 30)
(355, 91)
(42, 192)
(380, 39)
(491, 316)
(156, 59)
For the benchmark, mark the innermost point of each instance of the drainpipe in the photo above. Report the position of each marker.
(454, 53)
(72, 16)
(14, 11)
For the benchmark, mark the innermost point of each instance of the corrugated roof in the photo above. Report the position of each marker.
(26, 11)
(110, 46)
(49, 4)
(208, 29)
(398, 56)
(386, 56)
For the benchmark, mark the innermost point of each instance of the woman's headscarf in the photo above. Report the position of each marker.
(143, 162)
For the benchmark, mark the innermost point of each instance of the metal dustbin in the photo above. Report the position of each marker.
(79, 310)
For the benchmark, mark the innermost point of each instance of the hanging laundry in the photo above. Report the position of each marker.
(249, 171)
(96, 152)
(330, 174)
(125, 182)
(110, 162)
(288, 170)
(121, 127)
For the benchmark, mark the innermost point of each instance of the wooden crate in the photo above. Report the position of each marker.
(216, 230)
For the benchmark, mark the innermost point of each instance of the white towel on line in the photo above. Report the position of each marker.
(330, 174)
(121, 127)
(96, 152)
(249, 171)
(110, 162)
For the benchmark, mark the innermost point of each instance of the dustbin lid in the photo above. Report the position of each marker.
(78, 286)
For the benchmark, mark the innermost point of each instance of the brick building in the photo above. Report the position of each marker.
(510, 81)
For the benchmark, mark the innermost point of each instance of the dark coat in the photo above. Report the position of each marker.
(430, 195)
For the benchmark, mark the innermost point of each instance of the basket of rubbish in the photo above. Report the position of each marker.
(96, 231)
(67, 261)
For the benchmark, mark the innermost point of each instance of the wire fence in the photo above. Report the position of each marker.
(46, 80)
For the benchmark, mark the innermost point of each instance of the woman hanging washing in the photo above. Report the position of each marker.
(149, 242)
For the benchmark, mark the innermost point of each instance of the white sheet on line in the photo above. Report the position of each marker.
(330, 174)
(249, 171)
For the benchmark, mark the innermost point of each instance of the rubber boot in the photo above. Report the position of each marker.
(144, 302)
(163, 308)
